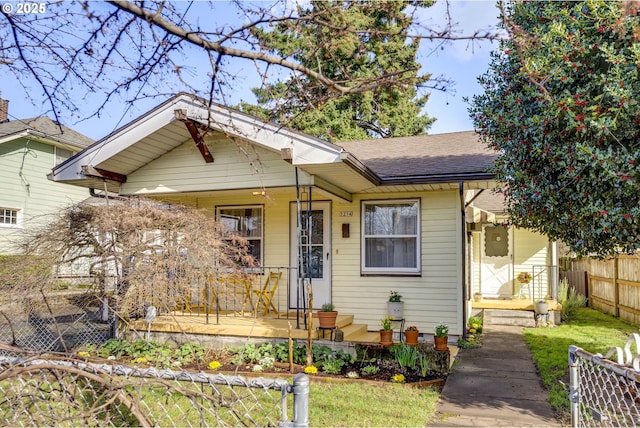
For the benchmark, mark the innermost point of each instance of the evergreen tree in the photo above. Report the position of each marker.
(357, 41)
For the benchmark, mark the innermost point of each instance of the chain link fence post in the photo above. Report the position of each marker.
(574, 387)
(300, 390)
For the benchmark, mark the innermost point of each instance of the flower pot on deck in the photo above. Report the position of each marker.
(327, 319)
(442, 343)
(411, 337)
(386, 337)
(542, 308)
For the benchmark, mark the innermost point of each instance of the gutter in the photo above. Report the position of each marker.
(438, 178)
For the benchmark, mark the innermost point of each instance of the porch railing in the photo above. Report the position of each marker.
(544, 283)
(244, 294)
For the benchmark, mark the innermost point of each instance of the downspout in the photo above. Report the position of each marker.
(463, 251)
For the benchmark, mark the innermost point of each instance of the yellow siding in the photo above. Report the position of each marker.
(235, 167)
(530, 254)
(430, 298)
(433, 297)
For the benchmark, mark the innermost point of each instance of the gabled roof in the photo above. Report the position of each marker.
(425, 158)
(43, 128)
(346, 168)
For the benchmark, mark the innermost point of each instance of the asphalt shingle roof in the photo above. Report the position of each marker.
(47, 127)
(423, 155)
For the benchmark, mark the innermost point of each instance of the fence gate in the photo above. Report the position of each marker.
(604, 393)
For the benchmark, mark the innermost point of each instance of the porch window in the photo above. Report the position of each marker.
(245, 221)
(391, 238)
(9, 217)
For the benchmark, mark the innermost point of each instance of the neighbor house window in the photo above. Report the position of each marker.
(62, 155)
(9, 217)
(246, 222)
(391, 237)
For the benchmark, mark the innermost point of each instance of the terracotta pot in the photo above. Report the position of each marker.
(327, 319)
(441, 343)
(386, 337)
(411, 337)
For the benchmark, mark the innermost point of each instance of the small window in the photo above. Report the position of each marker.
(246, 222)
(62, 155)
(496, 242)
(391, 237)
(9, 217)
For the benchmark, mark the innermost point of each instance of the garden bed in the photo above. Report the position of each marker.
(398, 363)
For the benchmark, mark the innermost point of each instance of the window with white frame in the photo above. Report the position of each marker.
(247, 222)
(9, 217)
(391, 237)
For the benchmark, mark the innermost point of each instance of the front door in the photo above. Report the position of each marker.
(315, 247)
(497, 259)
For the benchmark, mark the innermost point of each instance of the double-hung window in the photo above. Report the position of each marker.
(391, 237)
(247, 222)
(10, 217)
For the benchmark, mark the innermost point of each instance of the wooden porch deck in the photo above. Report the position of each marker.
(250, 326)
(512, 304)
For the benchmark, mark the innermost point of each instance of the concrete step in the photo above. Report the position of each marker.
(508, 317)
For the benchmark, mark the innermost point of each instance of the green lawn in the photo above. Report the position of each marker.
(363, 404)
(590, 330)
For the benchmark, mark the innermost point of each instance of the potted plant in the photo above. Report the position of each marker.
(395, 306)
(411, 335)
(441, 338)
(542, 307)
(386, 333)
(327, 316)
(524, 277)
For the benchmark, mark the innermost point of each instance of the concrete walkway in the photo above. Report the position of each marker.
(495, 385)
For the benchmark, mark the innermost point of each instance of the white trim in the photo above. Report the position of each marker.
(219, 208)
(19, 218)
(305, 149)
(365, 270)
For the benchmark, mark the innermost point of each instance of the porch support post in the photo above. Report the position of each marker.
(463, 255)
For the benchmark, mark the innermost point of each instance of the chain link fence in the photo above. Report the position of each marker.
(72, 392)
(604, 393)
(56, 322)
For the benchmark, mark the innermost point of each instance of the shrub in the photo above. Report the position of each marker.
(569, 299)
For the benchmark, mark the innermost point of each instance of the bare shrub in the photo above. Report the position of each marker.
(139, 252)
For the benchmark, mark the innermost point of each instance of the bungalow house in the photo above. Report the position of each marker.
(29, 148)
(367, 217)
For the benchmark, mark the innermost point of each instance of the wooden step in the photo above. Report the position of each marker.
(363, 336)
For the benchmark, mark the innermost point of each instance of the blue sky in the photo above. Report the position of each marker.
(460, 61)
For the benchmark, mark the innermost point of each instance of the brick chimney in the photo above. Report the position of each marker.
(4, 110)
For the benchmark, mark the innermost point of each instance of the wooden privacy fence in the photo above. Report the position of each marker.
(614, 285)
